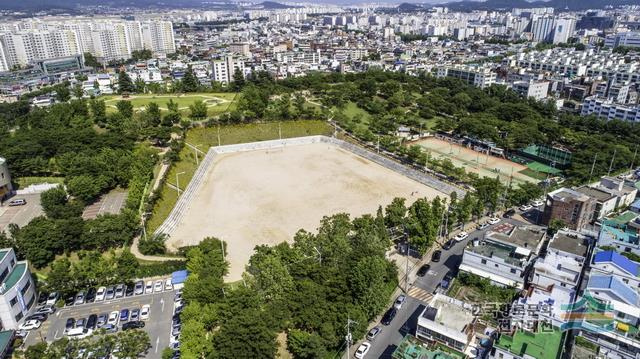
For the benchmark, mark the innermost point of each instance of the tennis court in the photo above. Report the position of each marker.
(475, 162)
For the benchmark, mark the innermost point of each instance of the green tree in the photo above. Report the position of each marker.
(395, 212)
(98, 112)
(125, 108)
(190, 82)
(207, 270)
(62, 93)
(238, 80)
(125, 84)
(153, 245)
(83, 187)
(305, 345)
(90, 60)
(198, 110)
(55, 204)
(141, 55)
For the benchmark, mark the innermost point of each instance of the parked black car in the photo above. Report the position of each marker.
(448, 244)
(435, 257)
(509, 213)
(388, 316)
(70, 300)
(91, 321)
(423, 270)
(133, 325)
(90, 297)
(129, 289)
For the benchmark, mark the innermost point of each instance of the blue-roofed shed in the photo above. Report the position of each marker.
(179, 277)
(635, 206)
(617, 260)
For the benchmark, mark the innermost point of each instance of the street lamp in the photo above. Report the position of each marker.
(178, 183)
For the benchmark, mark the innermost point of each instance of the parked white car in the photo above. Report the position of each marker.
(537, 203)
(144, 312)
(168, 285)
(525, 207)
(114, 317)
(493, 220)
(362, 350)
(30, 325)
(148, 288)
(159, 286)
(100, 294)
(461, 236)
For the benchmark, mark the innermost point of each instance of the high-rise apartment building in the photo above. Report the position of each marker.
(26, 42)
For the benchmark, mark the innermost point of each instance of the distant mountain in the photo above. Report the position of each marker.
(408, 7)
(271, 5)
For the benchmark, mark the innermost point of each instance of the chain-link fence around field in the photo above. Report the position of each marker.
(177, 213)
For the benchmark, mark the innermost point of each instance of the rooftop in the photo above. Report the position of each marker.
(5, 339)
(541, 345)
(448, 312)
(523, 237)
(598, 194)
(567, 194)
(569, 242)
(412, 348)
(608, 232)
(623, 218)
(15, 275)
(619, 260)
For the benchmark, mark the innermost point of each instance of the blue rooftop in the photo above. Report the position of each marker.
(615, 285)
(618, 260)
(178, 277)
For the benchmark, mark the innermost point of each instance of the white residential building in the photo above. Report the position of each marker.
(536, 89)
(504, 255)
(594, 105)
(630, 39)
(224, 69)
(563, 263)
(17, 291)
(447, 321)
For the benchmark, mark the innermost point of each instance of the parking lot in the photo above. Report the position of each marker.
(158, 325)
(20, 215)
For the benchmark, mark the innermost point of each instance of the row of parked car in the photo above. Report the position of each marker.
(387, 318)
(126, 318)
(176, 324)
(92, 295)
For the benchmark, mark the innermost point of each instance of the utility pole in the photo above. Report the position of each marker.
(634, 159)
(593, 165)
(279, 131)
(348, 337)
(612, 158)
(219, 135)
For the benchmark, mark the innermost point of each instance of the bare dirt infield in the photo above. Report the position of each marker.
(476, 162)
(260, 197)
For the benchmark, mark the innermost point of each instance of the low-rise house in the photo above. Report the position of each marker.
(448, 321)
(622, 239)
(563, 263)
(504, 255)
(543, 344)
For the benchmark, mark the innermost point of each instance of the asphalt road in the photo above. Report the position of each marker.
(420, 292)
(158, 325)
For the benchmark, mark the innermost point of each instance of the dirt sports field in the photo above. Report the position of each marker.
(476, 162)
(259, 197)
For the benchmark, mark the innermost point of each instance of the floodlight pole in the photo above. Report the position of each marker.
(219, 143)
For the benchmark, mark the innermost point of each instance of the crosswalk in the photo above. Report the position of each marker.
(420, 294)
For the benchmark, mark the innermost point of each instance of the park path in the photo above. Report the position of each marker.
(134, 246)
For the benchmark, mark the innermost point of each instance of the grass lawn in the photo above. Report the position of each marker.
(217, 102)
(208, 137)
(23, 182)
